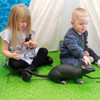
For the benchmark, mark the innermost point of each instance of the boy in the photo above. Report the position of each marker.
(74, 49)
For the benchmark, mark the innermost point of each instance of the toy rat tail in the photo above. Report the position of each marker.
(92, 77)
(33, 73)
(29, 71)
(39, 75)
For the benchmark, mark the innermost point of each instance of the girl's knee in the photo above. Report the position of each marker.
(43, 50)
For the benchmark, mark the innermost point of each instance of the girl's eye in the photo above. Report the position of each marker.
(22, 21)
(80, 24)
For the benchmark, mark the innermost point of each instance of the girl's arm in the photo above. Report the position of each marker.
(6, 52)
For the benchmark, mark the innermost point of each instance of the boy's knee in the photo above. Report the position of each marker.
(73, 62)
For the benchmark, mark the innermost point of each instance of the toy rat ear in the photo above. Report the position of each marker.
(83, 67)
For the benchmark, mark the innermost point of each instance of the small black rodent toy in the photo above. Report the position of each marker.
(28, 37)
(64, 72)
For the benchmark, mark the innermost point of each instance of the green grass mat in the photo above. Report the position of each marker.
(13, 88)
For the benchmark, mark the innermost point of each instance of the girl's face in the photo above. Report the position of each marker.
(80, 25)
(23, 25)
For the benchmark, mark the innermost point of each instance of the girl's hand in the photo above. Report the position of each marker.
(27, 43)
(32, 43)
(86, 53)
(15, 55)
(86, 60)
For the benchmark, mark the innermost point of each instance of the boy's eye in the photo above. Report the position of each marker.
(83, 23)
(86, 23)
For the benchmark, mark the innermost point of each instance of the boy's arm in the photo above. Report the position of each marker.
(86, 41)
(71, 41)
(86, 60)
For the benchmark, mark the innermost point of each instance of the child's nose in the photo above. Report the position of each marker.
(24, 24)
(85, 26)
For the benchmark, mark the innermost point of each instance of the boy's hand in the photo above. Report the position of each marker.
(86, 60)
(86, 53)
(15, 55)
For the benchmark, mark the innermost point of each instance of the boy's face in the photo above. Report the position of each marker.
(80, 24)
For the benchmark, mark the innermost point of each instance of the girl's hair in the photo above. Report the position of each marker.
(18, 14)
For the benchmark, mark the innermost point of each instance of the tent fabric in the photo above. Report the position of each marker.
(93, 7)
(46, 20)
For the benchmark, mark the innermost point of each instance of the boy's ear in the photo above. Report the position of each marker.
(72, 22)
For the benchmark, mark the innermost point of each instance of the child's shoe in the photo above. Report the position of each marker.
(26, 76)
(50, 60)
(98, 63)
(90, 58)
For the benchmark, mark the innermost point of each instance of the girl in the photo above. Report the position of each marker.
(21, 54)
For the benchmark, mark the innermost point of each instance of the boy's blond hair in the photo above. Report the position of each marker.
(17, 14)
(79, 12)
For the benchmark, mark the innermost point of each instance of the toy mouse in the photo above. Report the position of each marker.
(64, 72)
